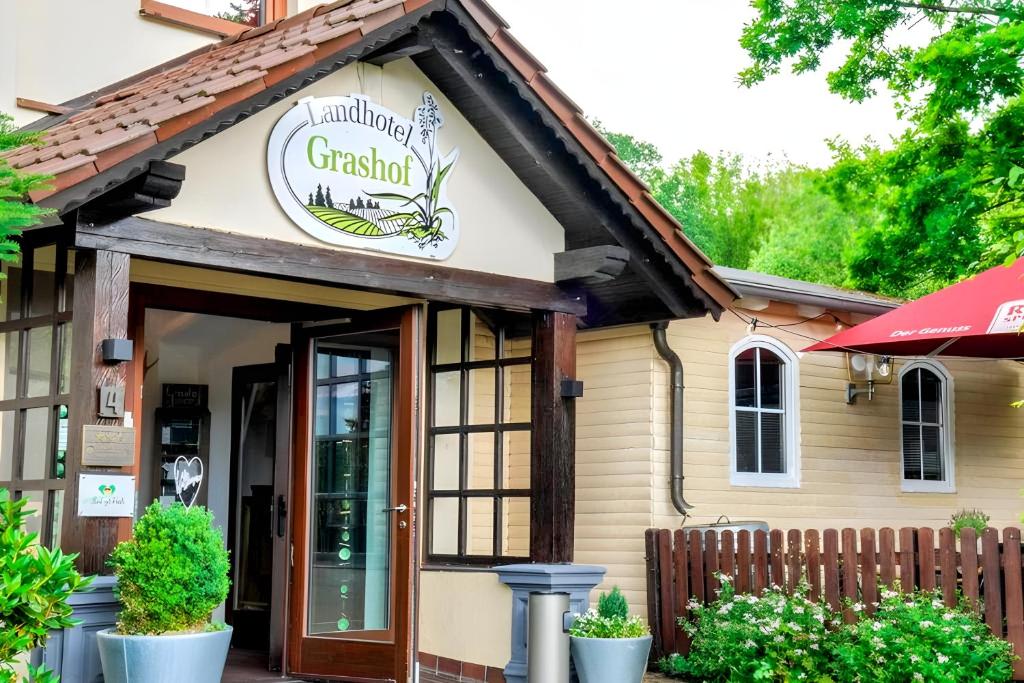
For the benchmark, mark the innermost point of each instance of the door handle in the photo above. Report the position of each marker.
(399, 509)
(282, 515)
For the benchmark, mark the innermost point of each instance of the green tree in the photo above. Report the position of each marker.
(949, 190)
(15, 213)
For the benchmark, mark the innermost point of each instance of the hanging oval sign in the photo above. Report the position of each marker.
(352, 173)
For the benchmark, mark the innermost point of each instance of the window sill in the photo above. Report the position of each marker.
(469, 568)
(764, 481)
(920, 487)
(160, 11)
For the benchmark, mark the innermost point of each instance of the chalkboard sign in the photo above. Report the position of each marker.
(185, 395)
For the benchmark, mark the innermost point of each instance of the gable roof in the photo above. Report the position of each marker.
(98, 144)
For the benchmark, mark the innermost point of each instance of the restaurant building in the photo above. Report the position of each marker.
(360, 252)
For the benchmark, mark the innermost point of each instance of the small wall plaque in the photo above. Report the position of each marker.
(112, 401)
(185, 395)
(106, 495)
(108, 446)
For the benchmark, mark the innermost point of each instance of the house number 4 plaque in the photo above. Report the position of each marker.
(112, 401)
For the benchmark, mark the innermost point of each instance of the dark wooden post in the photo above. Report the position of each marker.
(100, 312)
(553, 459)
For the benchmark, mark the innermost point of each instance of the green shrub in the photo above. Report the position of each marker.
(973, 519)
(915, 637)
(911, 637)
(35, 584)
(613, 604)
(172, 573)
(774, 637)
(610, 620)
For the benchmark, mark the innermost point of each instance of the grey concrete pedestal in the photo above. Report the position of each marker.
(575, 579)
(72, 652)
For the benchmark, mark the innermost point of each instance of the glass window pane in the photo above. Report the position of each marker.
(515, 527)
(771, 379)
(446, 462)
(518, 394)
(43, 281)
(448, 336)
(345, 364)
(480, 526)
(65, 359)
(446, 398)
(36, 507)
(6, 444)
(323, 366)
(911, 452)
(931, 397)
(37, 422)
(746, 441)
(345, 404)
(516, 460)
(745, 390)
(931, 454)
(60, 457)
(911, 396)
(520, 347)
(58, 517)
(69, 284)
(481, 460)
(12, 293)
(11, 360)
(444, 531)
(482, 345)
(481, 396)
(773, 450)
(40, 341)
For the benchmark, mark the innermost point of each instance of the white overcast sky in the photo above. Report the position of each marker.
(665, 71)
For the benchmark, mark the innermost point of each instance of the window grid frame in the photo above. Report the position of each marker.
(497, 493)
(58, 320)
(945, 425)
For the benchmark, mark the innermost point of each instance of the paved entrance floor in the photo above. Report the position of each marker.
(246, 666)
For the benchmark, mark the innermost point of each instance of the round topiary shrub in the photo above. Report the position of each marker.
(172, 573)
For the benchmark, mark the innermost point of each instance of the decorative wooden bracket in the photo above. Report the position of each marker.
(408, 45)
(150, 190)
(590, 265)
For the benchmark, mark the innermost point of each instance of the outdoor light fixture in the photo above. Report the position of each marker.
(865, 368)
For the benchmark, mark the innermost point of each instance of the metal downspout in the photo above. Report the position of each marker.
(659, 333)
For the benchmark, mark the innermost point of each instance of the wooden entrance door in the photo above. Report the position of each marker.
(350, 613)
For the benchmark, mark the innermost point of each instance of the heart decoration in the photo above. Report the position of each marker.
(188, 478)
(107, 489)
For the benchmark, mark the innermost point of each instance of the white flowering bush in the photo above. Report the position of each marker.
(909, 638)
(611, 619)
(774, 637)
(915, 637)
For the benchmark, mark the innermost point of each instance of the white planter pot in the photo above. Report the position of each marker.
(610, 660)
(192, 657)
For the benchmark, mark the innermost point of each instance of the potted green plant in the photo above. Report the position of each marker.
(35, 584)
(171, 575)
(608, 645)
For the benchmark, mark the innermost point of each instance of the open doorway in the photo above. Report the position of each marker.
(216, 405)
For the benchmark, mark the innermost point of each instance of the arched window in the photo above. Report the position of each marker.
(763, 416)
(926, 424)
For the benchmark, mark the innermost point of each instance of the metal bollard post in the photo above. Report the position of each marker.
(547, 649)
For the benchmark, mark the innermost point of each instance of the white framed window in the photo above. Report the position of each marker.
(763, 413)
(926, 428)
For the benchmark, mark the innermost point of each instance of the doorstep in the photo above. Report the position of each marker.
(429, 677)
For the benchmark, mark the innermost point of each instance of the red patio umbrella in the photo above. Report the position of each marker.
(980, 318)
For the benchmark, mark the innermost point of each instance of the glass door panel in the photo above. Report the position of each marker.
(350, 525)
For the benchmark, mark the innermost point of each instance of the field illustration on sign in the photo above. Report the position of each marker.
(419, 217)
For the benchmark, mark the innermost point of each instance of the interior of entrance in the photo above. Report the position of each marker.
(210, 410)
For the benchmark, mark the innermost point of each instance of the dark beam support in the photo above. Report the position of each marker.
(407, 46)
(590, 265)
(333, 267)
(553, 452)
(100, 312)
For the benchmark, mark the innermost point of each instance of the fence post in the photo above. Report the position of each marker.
(1014, 598)
(969, 565)
(831, 561)
(777, 577)
(947, 562)
(849, 570)
(794, 568)
(907, 560)
(869, 569)
(993, 591)
(887, 556)
(760, 561)
(668, 629)
(743, 567)
(926, 558)
(653, 590)
(711, 550)
(681, 571)
(813, 563)
(696, 555)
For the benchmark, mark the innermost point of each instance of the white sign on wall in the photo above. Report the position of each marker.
(106, 495)
(353, 173)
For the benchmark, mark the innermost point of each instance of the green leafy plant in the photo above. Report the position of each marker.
(15, 213)
(973, 519)
(172, 573)
(744, 637)
(915, 637)
(610, 620)
(776, 637)
(35, 584)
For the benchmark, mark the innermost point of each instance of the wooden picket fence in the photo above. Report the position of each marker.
(838, 564)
